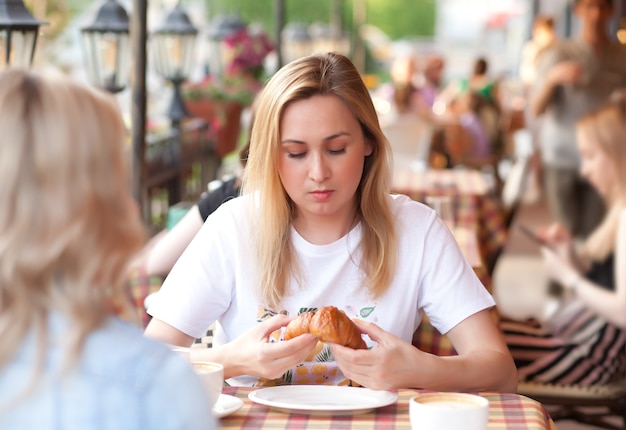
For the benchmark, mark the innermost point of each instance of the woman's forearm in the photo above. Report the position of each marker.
(483, 370)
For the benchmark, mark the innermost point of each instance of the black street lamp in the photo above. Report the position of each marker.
(173, 45)
(106, 43)
(220, 28)
(18, 34)
(296, 41)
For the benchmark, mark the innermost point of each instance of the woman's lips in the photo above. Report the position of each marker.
(321, 195)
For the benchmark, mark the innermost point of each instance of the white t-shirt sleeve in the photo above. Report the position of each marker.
(200, 286)
(450, 291)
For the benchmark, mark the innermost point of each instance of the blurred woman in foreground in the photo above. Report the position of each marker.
(68, 228)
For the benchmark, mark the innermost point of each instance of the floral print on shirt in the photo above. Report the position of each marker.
(319, 367)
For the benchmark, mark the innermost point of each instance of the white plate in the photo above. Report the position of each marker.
(322, 399)
(226, 405)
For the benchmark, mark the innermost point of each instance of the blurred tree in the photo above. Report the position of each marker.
(402, 18)
(56, 12)
(397, 18)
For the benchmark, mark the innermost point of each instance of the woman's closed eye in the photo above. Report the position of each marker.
(296, 154)
(303, 154)
(337, 151)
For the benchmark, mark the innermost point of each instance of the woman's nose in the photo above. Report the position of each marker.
(318, 169)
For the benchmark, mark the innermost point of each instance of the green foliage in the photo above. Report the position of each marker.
(402, 18)
(55, 13)
(397, 18)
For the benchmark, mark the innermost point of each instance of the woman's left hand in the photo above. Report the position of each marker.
(379, 368)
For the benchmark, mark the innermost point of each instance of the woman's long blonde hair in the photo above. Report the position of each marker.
(68, 224)
(319, 74)
(606, 128)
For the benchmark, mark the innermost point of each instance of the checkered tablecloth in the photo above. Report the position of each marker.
(506, 412)
(475, 204)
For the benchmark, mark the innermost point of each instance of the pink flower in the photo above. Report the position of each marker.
(249, 52)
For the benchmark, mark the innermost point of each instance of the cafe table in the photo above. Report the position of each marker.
(506, 412)
(475, 204)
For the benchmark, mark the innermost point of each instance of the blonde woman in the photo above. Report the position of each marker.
(317, 226)
(591, 348)
(68, 227)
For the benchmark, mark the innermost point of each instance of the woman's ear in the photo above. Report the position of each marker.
(369, 148)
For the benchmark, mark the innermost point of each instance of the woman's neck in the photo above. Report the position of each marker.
(322, 230)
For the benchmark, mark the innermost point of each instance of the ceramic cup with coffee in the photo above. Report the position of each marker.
(212, 376)
(445, 411)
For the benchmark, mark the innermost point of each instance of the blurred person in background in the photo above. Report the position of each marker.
(431, 82)
(543, 35)
(406, 129)
(68, 228)
(575, 77)
(582, 339)
(480, 81)
(170, 245)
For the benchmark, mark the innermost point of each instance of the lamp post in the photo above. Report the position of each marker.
(18, 34)
(106, 43)
(221, 27)
(296, 41)
(329, 38)
(173, 45)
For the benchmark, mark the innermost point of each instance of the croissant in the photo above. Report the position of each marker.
(330, 325)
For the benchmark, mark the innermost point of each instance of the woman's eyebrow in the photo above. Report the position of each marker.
(326, 139)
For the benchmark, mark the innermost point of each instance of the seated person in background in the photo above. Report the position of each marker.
(408, 133)
(588, 346)
(168, 248)
(68, 228)
(467, 140)
(400, 92)
(431, 84)
(480, 82)
(316, 225)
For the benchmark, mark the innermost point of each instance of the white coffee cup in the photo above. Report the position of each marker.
(445, 411)
(212, 376)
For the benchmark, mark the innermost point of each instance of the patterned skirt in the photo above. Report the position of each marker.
(594, 353)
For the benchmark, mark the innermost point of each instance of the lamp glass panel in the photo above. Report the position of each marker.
(174, 55)
(123, 75)
(293, 49)
(91, 63)
(107, 57)
(214, 56)
(16, 47)
(4, 48)
(22, 46)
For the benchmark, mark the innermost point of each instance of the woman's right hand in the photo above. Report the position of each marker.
(254, 354)
(559, 239)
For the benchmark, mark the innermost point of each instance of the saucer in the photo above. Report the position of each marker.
(226, 405)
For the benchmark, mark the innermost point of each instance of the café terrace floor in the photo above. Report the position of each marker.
(532, 215)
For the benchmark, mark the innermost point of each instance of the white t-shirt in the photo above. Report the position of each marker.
(214, 280)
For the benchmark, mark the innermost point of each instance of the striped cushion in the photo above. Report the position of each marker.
(603, 391)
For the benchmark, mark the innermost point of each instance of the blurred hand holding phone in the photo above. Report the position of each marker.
(535, 237)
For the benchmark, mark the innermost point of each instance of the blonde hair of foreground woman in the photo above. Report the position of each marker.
(68, 225)
(300, 80)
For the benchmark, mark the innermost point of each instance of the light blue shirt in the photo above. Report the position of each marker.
(123, 381)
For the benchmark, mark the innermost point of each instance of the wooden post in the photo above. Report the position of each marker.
(279, 10)
(359, 11)
(138, 34)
